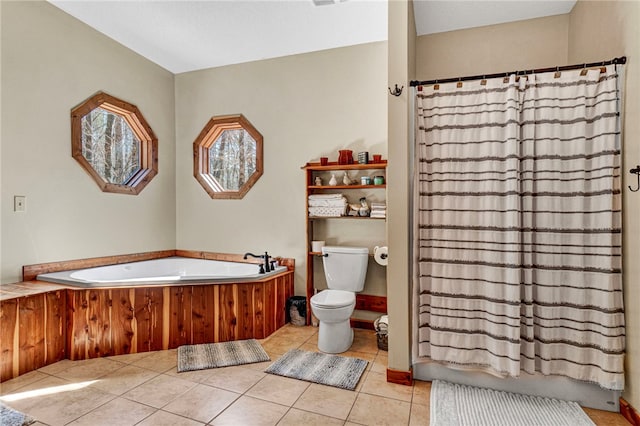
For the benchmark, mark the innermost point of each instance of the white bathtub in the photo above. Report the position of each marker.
(170, 270)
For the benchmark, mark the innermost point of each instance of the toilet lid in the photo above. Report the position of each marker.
(333, 299)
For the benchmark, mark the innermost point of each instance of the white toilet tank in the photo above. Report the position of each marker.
(345, 267)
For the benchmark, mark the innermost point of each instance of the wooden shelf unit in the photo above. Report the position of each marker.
(363, 301)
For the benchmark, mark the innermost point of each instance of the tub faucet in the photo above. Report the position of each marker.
(265, 256)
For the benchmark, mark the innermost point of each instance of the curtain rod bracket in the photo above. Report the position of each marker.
(397, 91)
(635, 171)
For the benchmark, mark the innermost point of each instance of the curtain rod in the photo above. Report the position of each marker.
(620, 60)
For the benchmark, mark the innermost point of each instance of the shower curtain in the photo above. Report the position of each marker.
(518, 233)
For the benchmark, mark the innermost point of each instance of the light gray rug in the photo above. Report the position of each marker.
(225, 354)
(460, 405)
(11, 417)
(332, 370)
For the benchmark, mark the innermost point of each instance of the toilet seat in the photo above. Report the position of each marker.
(333, 299)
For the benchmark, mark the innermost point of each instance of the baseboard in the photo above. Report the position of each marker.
(400, 377)
(629, 413)
(361, 323)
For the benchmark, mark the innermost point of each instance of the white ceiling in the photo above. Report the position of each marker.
(185, 35)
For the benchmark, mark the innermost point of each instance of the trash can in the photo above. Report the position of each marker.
(382, 332)
(296, 310)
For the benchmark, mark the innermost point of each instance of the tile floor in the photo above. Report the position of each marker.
(145, 389)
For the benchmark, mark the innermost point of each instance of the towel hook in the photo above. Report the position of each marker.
(397, 91)
(635, 171)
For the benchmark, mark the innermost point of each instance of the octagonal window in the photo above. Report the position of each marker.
(112, 141)
(228, 156)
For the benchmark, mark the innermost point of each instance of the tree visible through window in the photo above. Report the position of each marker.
(232, 158)
(110, 146)
(228, 156)
(112, 141)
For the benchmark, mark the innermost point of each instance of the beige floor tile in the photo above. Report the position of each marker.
(14, 385)
(376, 384)
(163, 418)
(326, 400)
(130, 358)
(124, 379)
(421, 392)
(376, 410)
(46, 382)
(310, 346)
(196, 376)
(280, 345)
(251, 411)
(296, 417)
(159, 391)
(119, 411)
(236, 379)
(369, 357)
(299, 333)
(53, 402)
(281, 390)
(419, 415)
(259, 366)
(362, 381)
(381, 363)
(159, 361)
(89, 369)
(56, 367)
(201, 403)
(364, 341)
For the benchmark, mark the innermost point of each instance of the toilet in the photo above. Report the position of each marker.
(345, 269)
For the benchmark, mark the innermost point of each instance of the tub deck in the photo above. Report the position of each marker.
(40, 328)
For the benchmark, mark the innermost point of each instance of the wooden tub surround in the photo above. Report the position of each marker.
(70, 323)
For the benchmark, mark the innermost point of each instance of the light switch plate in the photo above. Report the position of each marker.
(19, 203)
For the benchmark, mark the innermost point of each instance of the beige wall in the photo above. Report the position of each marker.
(533, 43)
(306, 106)
(50, 63)
(598, 31)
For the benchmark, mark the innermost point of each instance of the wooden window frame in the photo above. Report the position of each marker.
(148, 142)
(207, 138)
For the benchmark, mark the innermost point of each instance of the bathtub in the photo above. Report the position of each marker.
(161, 272)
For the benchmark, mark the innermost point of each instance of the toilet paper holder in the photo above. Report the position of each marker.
(380, 255)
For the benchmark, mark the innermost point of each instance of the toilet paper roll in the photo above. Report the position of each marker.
(381, 255)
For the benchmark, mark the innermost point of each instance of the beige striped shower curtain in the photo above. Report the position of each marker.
(518, 211)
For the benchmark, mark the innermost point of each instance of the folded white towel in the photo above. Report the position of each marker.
(325, 196)
(328, 203)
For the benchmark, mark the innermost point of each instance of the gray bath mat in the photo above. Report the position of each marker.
(460, 405)
(332, 370)
(11, 417)
(225, 354)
